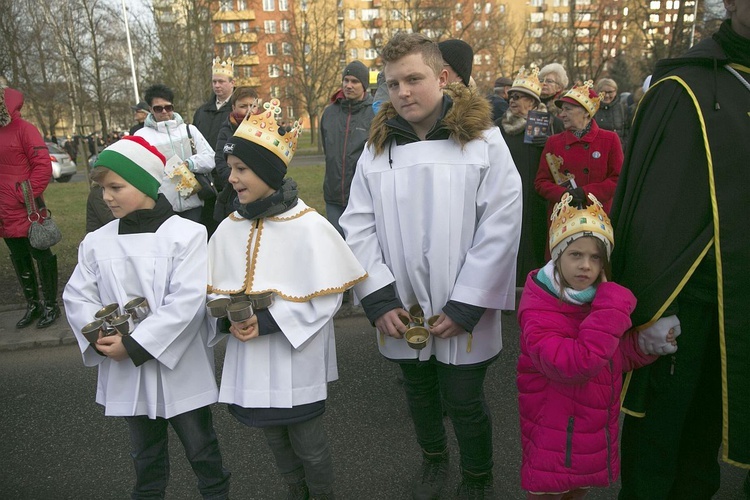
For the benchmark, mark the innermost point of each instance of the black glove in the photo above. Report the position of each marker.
(539, 140)
(579, 196)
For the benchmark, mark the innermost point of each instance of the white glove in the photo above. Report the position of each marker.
(653, 340)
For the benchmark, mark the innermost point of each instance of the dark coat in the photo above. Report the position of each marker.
(23, 155)
(685, 172)
(209, 120)
(344, 128)
(534, 217)
(614, 117)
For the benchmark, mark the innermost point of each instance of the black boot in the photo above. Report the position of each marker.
(431, 479)
(48, 275)
(24, 267)
(476, 486)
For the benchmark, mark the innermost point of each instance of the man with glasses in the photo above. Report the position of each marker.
(167, 132)
(554, 81)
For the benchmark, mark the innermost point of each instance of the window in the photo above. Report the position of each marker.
(537, 3)
(353, 54)
(477, 8)
(487, 8)
(241, 5)
(273, 71)
(283, 5)
(227, 28)
(245, 49)
(536, 17)
(368, 34)
(284, 25)
(290, 111)
(477, 59)
(536, 33)
(288, 69)
(352, 34)
(274, 91)
(459, 25)
(227, 50)
(271, 49)
(555, 17)
(286, 48)
(352, 14)
(246, 71)
(654, 18)
(369, 14)
(244, 27)
(371, 54)
(269, 26)
(654, 5)
(268, 5)
(459, 6)
(225, 5)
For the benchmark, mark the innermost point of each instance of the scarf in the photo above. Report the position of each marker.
(585, 130)
(279, 202)
(147, 220)
(737, 48)
(547, 276)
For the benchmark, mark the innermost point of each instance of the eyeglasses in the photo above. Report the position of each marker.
(549, 81)
(609, 92)
(161, 109)
(514, 97)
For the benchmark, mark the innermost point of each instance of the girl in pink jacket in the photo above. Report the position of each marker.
(575, 344)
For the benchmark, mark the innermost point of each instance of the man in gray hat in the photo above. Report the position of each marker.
(140, 111)
(344, 129)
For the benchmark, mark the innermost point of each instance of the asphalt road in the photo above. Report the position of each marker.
(56, 443)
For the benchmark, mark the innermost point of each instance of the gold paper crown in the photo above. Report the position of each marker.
(225, 68)
(585, 96)
(527, 82)
(568, 220)
(263, 130)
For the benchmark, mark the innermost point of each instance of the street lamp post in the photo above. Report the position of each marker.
(130, 52)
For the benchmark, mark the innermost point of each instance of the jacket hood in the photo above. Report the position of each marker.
(163, 126)
(705, 53)
(11, 102)
(467, 118)
(338, 98)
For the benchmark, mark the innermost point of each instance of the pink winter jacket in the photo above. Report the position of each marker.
(569, 381)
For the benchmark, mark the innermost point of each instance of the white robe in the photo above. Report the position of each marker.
(168, 268)
(443, 222)
(301, 258)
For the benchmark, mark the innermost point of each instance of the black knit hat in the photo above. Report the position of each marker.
(266, 164)
(460, 56)
(358, 71)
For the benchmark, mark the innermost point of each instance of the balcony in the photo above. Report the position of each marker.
(237, 38)
(234, 15)
(252, 81)
(246, 60)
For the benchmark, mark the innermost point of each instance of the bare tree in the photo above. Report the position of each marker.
(313, 58)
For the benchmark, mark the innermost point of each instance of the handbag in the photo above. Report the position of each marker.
(208, 190)
(43, 231)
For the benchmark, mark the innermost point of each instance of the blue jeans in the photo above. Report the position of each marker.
(432, 387)
(333, 214)
(301, 452)
(149, 440)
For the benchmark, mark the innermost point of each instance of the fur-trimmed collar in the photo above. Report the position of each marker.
(467, 118)
(514, 124)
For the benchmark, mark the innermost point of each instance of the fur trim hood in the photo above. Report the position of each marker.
(513, 124)
(11, 102)
(467, 118)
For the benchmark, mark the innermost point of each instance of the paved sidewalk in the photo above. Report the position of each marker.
(59, 333)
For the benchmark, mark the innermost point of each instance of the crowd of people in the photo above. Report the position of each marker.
(622, 227)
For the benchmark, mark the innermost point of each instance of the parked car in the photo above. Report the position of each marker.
(63, 167)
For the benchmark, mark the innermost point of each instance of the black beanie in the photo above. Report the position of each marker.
(460, 56)
(266, 165)
(358, 71)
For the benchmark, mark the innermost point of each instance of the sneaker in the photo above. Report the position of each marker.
(432, 478)
(476, 486)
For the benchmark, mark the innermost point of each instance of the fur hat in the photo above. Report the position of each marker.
(358, 71)
(136, 161)
(460, 56)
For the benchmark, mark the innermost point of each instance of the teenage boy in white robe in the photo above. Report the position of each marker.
(162, 373)
(278, 363)
(434, 216)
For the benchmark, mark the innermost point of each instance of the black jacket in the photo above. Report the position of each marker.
(208, 119)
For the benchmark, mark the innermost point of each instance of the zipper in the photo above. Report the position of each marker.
(606, 425)
(343, 154)
(569, 442)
